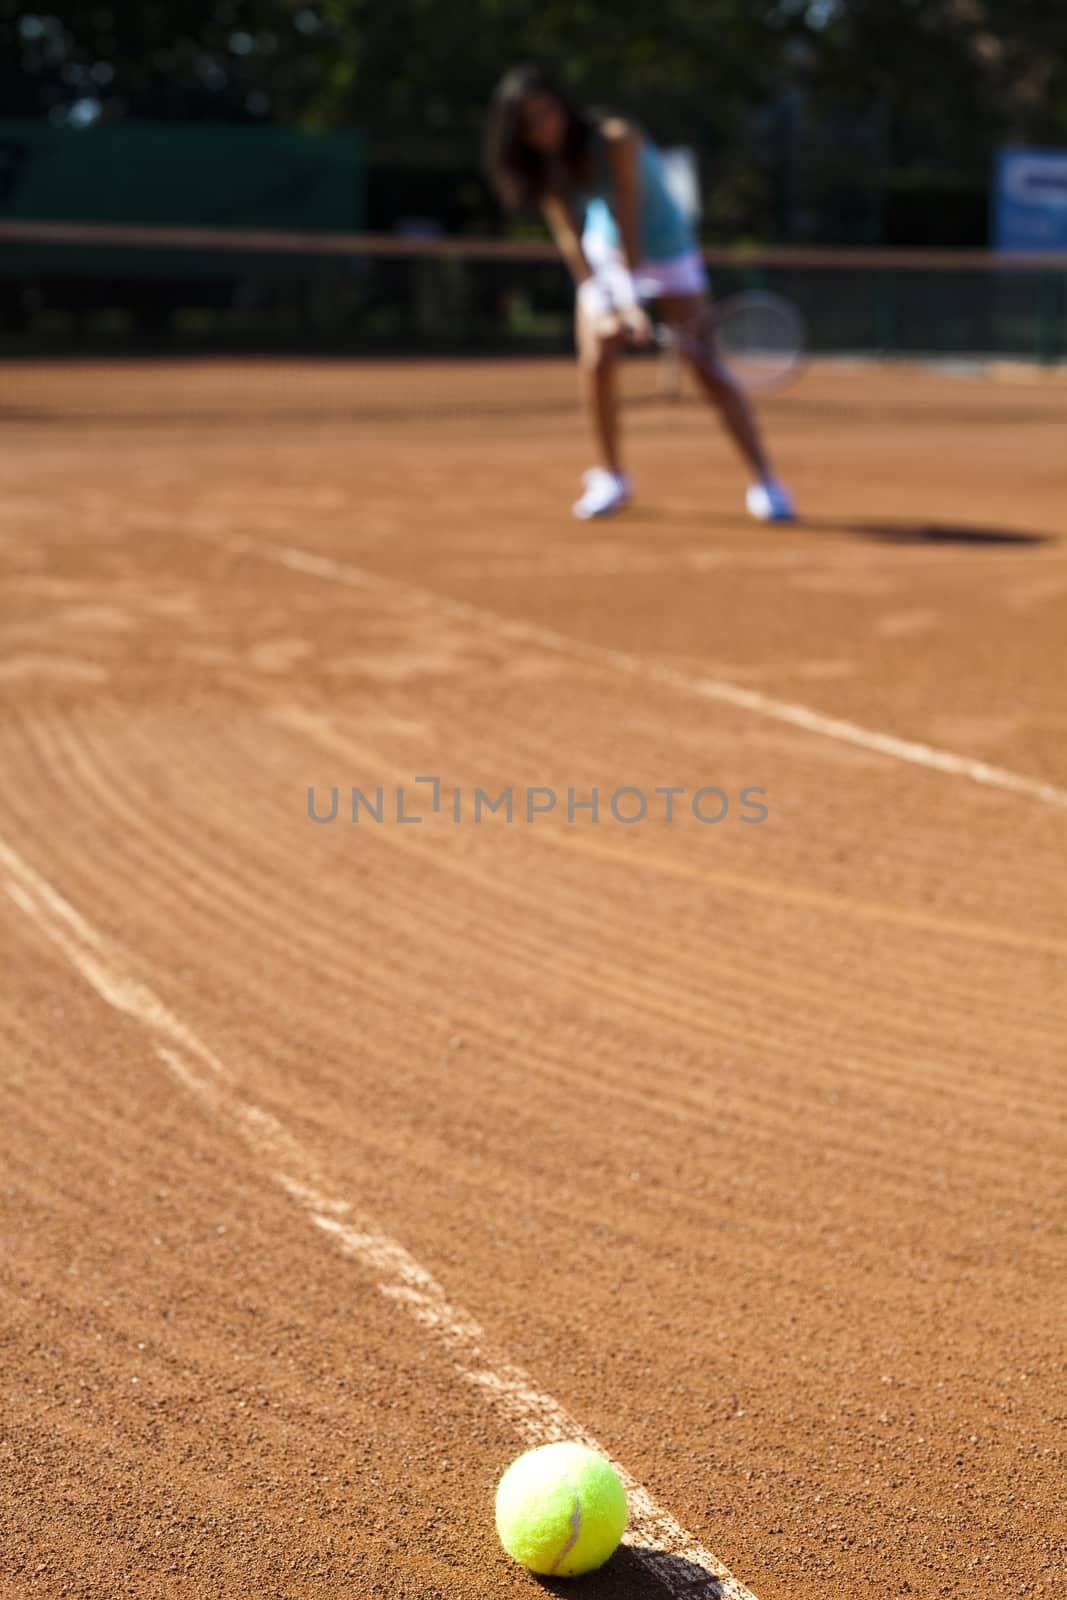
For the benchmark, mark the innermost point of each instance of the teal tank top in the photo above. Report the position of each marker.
(663, 229)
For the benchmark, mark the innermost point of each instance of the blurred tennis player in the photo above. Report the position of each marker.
(601, 186)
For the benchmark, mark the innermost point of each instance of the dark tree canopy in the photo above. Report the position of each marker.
(795, 105)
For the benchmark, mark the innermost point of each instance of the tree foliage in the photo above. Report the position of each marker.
(942, 81)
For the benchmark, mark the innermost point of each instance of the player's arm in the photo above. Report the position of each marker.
(623, 147)
(623, 150)
(560, 219)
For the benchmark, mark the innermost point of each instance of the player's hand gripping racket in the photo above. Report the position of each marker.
(760, 336)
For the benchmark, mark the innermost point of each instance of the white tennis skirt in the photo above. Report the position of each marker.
(682, 274)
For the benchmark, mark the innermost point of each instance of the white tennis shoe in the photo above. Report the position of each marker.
(770, 501)
(604, 493)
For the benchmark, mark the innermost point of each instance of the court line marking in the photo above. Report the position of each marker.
(320, 729)
(911, 751)
(673, 1556)
(809, 899)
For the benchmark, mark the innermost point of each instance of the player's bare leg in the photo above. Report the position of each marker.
(690, 317)
(606, 486)
(598, 363)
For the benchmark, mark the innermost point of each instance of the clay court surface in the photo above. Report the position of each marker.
(334, 1155)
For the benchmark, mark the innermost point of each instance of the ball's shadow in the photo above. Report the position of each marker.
(637, 1573)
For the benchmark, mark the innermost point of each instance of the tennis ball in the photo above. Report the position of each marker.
(560, 1510)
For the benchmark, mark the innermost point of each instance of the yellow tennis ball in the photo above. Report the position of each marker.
(560, 1510)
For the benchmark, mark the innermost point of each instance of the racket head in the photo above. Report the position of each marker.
(762, 338)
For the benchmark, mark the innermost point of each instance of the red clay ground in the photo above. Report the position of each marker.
(741, 1141)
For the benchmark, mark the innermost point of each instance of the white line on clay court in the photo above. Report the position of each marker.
(663, 1547)
(911, 751)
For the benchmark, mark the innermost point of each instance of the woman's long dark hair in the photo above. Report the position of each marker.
(520, 175)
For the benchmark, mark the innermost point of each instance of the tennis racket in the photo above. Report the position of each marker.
(761, 336)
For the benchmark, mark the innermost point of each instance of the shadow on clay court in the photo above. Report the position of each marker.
(937, 533)
(890, 531)
(633, 1574)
